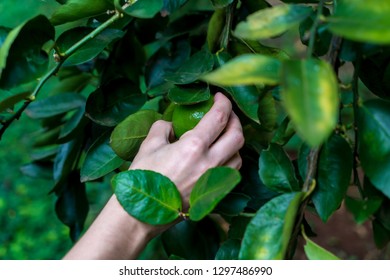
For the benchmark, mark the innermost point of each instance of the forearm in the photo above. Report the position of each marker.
(113, 235)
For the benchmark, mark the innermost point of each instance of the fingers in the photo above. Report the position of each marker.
(214, 122)
(234, 162)
(161, 133)
(229, 143)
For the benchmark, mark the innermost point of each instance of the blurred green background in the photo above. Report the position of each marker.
(29, 226)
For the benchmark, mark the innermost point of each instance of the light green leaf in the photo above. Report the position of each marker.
(271, 22)
(148, 196)
(100, 160)
(276, 170)
(357, 20)
(374, 142)
(210, 189)
(246, 69)
(310, 97)
(316, 252)
(128, 135)
(268, 234)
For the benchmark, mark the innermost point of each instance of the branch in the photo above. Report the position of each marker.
(60, 58)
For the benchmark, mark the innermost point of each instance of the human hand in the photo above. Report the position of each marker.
(215, 141)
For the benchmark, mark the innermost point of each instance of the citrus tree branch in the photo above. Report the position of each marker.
(61, 59)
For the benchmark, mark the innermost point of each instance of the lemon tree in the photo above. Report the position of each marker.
(308, 79)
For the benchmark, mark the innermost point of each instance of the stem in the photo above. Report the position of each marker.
(355, 90)
(229, 21)
(54, 70)
(313, 30)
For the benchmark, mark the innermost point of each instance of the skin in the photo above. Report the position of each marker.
(215, 141)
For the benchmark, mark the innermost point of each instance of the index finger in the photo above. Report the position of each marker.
(215, 121)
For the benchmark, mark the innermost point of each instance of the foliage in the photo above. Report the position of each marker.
(97, 88)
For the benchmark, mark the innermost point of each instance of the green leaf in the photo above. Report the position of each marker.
(21, 56)
(276, 170)
(381, 234)
(310, 97)
(75, 9)
(316, 252)
(128, 135)
(241, 46)
(232, 204)
(74, 125)
(189, 95)
(197, 65)
(246, 69)
(72, 205)
(100, 160)
(229, 250)
(210, 189)
(214, 30)
(284, 132)
(218, 4)
(374, 142)
(193, 240)
(55, 105)
(171, 6)
(11, 99)
(90, 49)
(113, 102)
(362, 210)
(355, 20)
(268, 234)
(267, 111)
(145, 8)
(333, 176)
(37, 170)
(148, 196)
(271, 22)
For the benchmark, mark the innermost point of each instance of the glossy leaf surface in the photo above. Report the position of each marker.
(310, 97)
(355, 20)
(271, 22)
(374, 142)
(268, 234)
(210, 189)
(276, 170)
(246, 69)
(148, 196)
(128, 135)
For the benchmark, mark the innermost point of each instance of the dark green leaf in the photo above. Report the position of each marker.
(74, 125)
(72, 205)
(316, 252)
(267, 111)
(229, 250)
(210, 189)
(100, 160)
(38, 170)
(238, 226)
(189, 95)
(11, 99)
(76, 9)
(276, 170)
(192, 240)
(333, 176)
(246, 69)
(197, 65)
(218, 4)
(271, 22)
(355, 20)
(232, 204)
(374, 142)
(55, 105)
(113, 102)
(90, 49)
(148, 196)
(381, 234)
(171, 6)
(284, 132)
(3, 34)
(268, 234)
(362, 210)
(129, 134)
(310, 97)
(145, 8)
(21, 56)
